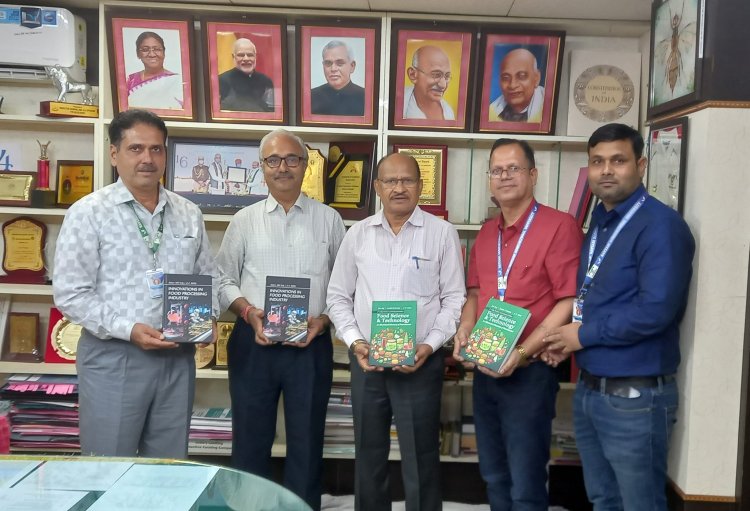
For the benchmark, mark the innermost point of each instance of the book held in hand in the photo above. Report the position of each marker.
(393, 333)
(187, 308)
(496, 333)
(286, 309)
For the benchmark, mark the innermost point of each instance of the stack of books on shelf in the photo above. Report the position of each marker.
(563, 450)
(43, 413)
(339, 432)
(468, 437)
(210, 431)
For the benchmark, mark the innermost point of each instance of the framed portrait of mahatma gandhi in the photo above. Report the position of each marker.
(338, 63)
(245, 79)
(519, 82)
(150, 63)
(430, 71)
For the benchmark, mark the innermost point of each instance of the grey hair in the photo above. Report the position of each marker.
(336, 44)
(415, 57)
(279, 133)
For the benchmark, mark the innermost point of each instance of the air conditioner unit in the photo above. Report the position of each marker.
(34, 37)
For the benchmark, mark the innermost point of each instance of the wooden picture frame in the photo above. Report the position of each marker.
(340, 90)
(261, 54)
(527, 65)
(241, 183)
(169, 45)
(450, 49)
(667, 161)
(674, 68)
(16, 187)
(75, 179)
(22, 338)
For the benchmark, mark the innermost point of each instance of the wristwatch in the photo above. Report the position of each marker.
(355, 343)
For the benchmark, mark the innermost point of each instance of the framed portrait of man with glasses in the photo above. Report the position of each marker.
(150, 64)
(431, 76)
(220, 177)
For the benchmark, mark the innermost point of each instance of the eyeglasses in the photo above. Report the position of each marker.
(436, 75)
(291, 161)
(408, 182)
(512, 171)
(145, 50)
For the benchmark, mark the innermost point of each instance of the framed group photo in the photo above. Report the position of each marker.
(151, 64)
(220, 177)
(245, 81)
(337, 73)
(430, 83)
(675, 53)
(667, 160)
(520, 81)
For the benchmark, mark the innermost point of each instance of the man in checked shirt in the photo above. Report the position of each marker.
(135, 389)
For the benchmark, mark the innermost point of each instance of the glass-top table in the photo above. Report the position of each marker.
(56, 483)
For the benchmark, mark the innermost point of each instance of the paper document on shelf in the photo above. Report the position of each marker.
(12, 471)
(23, 499)
(76, 475)
(157, 488)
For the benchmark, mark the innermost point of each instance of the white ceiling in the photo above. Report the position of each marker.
(626, 10)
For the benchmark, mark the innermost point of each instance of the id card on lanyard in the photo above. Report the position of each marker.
(154, 276)
(577, 316)
(502, 278)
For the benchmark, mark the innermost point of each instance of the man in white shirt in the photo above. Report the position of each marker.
(285, 235)
(522, 99)
(400, 253)
(216, 170)
(430, 74)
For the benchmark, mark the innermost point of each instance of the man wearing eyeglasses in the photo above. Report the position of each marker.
(339, 95)
(430, 74)
(526, 256)
(285, 235)
(522, 99)
(400, 253)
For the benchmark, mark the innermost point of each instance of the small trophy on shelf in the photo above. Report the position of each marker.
(42, 196)
(65, 84)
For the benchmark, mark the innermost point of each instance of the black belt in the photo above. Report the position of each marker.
(621, 385)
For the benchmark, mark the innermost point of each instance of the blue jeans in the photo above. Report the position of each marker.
(513, 420)
(623, 444)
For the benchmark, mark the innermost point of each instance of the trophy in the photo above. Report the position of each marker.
(42, 196)
(349, 180)
(65, 84)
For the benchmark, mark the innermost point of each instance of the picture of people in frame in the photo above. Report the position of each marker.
(518, 83)
(335, 76)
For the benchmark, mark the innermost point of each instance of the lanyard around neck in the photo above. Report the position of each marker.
(502, 279)
(152, 244)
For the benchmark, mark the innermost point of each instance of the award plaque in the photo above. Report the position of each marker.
(15, 188)
(225, 330)
(62, 339)
(204, 356)
(313, 184)
(433, 168)
(60, 109)
(22, 338)
(23, 241)
(75, 179)
(349, 181)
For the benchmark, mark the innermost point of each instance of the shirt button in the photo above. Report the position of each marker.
(506, 245)
(605, 229)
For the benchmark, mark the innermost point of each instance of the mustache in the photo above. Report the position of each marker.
(438, 89)
(147, 167)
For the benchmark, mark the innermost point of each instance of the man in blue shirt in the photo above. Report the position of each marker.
(633, 278)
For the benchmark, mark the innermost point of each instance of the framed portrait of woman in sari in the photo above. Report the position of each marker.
(150, 64)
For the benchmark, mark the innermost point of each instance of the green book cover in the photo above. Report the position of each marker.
(496, 333)
(393, 333)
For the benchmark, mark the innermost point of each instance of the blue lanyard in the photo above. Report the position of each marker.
(594, 268)
(502, 280)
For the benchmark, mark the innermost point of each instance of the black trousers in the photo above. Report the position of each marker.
(414, 401)
(257, 376)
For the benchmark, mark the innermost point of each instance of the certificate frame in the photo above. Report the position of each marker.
(25, 324)
(456, 42)
(362, 39)
(129, 88)
(675, 70)
(667, 162)
(75, 180)
(269, 37)
(16, 188)
(218, 195)
(433, 198)
(547, 48)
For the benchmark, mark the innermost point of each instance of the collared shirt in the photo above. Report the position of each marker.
(633, 308)
(262, 239)
(422, 263)
(533, 112)
(545, 268)
(348, 100)
(101, 260)
(412, 110)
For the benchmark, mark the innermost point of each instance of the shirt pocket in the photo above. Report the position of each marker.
(182, 255)
(422, 278)
(315, 259)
